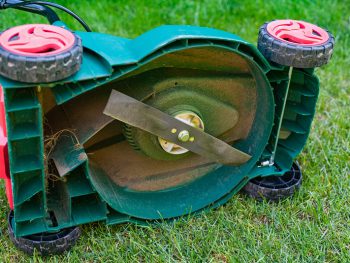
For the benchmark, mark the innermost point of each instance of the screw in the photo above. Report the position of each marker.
(183, 136)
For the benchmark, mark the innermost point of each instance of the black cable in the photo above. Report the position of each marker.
(45, 11)
(2, 4)
(80, 20)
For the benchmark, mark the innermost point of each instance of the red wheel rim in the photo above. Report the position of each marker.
(297, 32)
(37, 40)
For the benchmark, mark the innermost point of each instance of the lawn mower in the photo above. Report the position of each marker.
(95, 127)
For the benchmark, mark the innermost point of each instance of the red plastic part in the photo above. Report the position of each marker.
(37, 40)
(4, 160)
(297, 32)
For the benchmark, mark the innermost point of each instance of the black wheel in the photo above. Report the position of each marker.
(39, 53)
(295, 43)
(275, 188)
(45, 243)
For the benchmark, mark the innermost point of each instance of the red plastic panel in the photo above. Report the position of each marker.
(4, 161)
(297, 32)
(37, 40)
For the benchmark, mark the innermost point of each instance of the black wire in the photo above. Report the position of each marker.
(2, 4)
(80, 20)
(50, 15)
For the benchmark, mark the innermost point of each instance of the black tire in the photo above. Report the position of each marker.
(41, 69)
(45, 243)
(275, 188)
(288, 53)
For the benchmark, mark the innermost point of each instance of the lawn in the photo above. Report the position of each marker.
(314, 226)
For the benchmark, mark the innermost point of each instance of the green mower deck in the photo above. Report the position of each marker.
(112, 143)
(87, 196)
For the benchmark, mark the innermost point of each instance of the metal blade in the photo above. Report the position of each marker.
(145, 117)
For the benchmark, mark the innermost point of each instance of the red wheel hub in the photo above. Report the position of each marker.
(297, 32)
(37, 40)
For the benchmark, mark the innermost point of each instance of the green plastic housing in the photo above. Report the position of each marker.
(108, 58)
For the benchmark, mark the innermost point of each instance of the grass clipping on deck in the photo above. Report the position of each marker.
(50, 143)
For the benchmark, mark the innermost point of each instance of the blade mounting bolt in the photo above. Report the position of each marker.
(183, 136)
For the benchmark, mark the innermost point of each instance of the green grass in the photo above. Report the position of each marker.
(314, 226)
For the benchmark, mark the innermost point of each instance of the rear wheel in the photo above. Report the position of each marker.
(39, 53)
(275, 188)
(295, 43)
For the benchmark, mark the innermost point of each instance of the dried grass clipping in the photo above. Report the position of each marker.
(50, 143)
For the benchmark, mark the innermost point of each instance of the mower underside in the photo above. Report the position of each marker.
(95, 127)
(154, 133)
(126, 163)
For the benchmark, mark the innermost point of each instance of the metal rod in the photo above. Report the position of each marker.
(273, 155)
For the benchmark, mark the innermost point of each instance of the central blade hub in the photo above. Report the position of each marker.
(152, 120)
(189, 118)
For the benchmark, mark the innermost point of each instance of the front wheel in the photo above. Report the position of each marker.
(275, 187)
(48, 243)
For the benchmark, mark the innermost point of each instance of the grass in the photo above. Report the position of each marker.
(314, 226)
